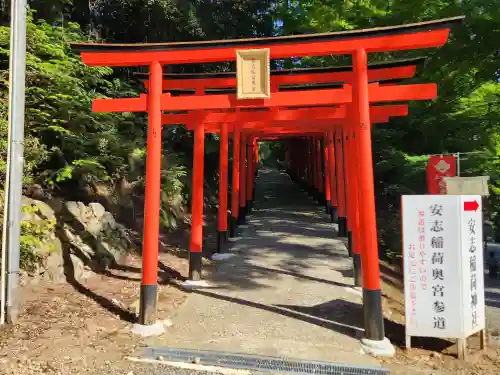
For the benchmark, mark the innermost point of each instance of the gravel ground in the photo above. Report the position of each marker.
(66, 331)
(145, 369)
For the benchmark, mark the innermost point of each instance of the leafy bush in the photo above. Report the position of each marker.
(35, 235)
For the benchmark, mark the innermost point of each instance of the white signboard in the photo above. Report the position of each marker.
(443, 265)
(466, 185)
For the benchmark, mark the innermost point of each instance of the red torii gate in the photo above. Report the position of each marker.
(238, 211)
(356, 43)
(276, 124)
(317, 130)
(205, 82)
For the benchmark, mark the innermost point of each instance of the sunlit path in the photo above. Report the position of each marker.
(287, 292)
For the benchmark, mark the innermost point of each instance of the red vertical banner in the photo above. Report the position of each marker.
(440, 166)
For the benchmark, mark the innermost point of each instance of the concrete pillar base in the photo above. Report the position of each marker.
(222, 256)
(156, 329)
(198, 284)
(378, 348)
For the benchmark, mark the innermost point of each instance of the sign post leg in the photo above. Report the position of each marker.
(408, 342)
(462, 349)
(374, 340)
(149, 282)
(482, 339)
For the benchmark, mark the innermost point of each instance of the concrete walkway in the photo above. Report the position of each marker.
(287, 292)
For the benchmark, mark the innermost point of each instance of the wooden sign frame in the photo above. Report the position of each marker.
(262, 73)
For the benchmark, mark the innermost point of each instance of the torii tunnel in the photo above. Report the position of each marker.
(323, 116)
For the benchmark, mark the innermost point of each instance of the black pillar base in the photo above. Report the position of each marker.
(342, 226)
(249, 207)
(147, 304)
(321, 198)
(373, 317)
(195, 260)
(328, 206)
(334, 216)
(349, 243)
(356, 263)
(221, 241)
(232, 226)
(242, 215)
(314, 193)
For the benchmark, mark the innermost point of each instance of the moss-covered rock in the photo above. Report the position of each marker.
(68, 239)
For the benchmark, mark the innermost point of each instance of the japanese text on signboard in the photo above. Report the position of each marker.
(436, 212)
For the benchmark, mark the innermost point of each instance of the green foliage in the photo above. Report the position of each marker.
(465, 116)
(71, 151)
(65, 141)
(35, 235)
(272, 154)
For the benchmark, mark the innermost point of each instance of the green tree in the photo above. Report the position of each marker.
(462, 119)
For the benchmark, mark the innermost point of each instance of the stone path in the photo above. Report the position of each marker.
(287, 292)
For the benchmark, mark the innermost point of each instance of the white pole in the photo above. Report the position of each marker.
(458, 164)
(15, 161)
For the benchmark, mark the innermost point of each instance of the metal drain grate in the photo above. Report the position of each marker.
(258, 363)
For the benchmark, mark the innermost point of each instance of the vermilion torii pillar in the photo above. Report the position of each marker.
(222, 232)
(353, 235)
(250, 173)
(197, 201)
(149, 282)
(235, 191)
(372, 296)
(243, 175)
(356, 43)
(326, 168)
(340, 181)
(333, 178)
(319, 173)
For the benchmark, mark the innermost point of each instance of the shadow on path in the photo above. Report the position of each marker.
(289, 312)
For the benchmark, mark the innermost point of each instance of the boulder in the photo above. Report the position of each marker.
(86, 235)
